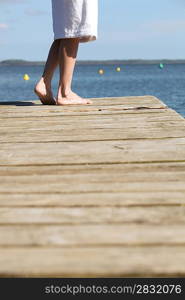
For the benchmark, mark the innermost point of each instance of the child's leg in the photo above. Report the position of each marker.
(67, 59)
(43, 87)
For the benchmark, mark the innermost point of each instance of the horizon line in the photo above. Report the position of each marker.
(110, 59)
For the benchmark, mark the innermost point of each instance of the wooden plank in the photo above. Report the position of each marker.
(100, 106)
(158, 183)
(86, 108)
(98, 123)
(132, 169)
(93, 215)
(90, 134)
(94, 183)
(91, 235)
(93, 262)
(93, 152)
(93, 199)
(93, 120)
(60, 113)
(148, 99)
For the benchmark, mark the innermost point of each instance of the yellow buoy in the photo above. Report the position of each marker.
(26, 77)
(118, 69)
(101, 71)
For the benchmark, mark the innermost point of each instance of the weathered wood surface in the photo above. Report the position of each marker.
(102, 152)
(95, 235)
(92, 215)
(112, 261)
(92, 191)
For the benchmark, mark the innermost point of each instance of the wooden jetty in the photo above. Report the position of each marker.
(92, 191)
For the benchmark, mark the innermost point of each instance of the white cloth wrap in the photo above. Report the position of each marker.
(75, 18)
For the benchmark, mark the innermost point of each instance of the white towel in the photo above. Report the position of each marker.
(75, 18)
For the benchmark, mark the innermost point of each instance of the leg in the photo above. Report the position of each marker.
(67, 59)
(43, 86)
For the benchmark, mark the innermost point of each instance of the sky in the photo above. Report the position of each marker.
(127, 29)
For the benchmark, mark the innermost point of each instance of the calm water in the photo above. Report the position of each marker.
(168, 84)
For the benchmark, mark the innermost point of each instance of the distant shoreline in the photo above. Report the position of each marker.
(19, 62)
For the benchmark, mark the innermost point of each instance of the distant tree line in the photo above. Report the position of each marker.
(11, 62)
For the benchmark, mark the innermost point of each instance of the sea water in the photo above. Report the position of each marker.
(168, 84)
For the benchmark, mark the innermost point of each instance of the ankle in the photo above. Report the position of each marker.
(64, 91)
(45, 81)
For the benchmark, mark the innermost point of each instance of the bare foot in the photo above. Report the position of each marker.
(44, 93)
(72, 98)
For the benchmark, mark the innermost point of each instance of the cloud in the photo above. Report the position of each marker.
(146, 31)
(35, 12)
(11, 1)
(3, 26)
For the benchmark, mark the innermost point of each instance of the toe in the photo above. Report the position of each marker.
(89, 102)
